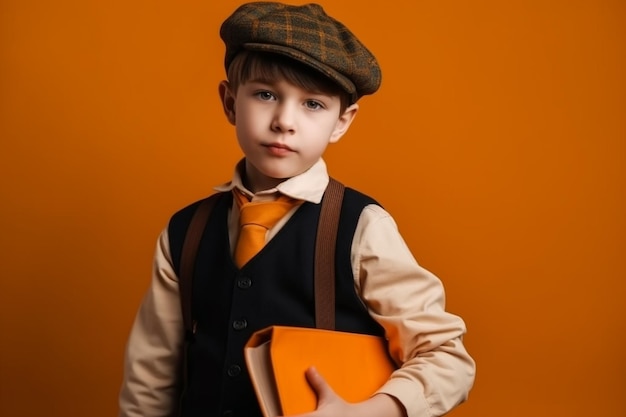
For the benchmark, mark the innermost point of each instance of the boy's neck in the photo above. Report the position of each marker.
(255, 181)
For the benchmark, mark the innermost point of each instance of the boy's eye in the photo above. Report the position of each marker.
(265, 95)
(313, 105)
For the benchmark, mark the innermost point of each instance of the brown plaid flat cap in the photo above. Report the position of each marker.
(307, 34)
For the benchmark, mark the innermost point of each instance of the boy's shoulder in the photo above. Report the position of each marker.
(353, 200)
(356, 199)
(180, 223)
(183, 216)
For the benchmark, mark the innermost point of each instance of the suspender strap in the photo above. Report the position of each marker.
(324, 256)
(188, 257)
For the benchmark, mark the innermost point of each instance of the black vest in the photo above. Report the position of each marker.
(273, 288)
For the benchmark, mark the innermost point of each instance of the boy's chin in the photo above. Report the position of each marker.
(269, 177)
(276, 171)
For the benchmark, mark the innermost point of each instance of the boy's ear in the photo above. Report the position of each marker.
(228, 101)
(343, 123)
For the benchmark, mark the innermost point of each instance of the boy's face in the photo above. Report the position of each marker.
(282, 129)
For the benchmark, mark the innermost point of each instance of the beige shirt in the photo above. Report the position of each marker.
(435, 371)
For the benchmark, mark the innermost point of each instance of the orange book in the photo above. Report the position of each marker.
(354, 365)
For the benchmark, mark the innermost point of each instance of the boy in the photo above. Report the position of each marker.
(294, 78)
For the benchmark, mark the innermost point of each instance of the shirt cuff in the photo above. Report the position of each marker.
(404, 391)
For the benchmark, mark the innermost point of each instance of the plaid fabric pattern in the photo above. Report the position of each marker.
(307, 34)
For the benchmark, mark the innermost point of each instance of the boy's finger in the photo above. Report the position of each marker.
(319, 384)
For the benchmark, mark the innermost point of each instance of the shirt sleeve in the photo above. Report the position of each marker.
(435, 371)
(153, 351)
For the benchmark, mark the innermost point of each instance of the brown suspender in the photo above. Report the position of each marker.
(188, 257)
(324, 256)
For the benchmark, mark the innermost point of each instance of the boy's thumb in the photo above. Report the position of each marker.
(319, 385)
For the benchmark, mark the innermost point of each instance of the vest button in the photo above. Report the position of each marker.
(234, 370)
(244, 283)
(240, 324)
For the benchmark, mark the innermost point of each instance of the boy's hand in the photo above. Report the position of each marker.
(329, 404)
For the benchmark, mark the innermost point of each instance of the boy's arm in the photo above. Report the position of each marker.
(436, 372)
(150, 384)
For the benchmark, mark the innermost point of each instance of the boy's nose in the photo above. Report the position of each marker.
(284, 120)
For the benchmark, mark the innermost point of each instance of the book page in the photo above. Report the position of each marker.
(262, 376)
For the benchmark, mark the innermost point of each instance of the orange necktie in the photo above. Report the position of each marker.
(255, 219)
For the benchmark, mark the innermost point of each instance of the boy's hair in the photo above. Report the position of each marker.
(268, 67)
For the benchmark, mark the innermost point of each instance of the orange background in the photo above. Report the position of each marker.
(497, 141)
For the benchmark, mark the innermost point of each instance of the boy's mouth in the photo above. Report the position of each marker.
(278, 149)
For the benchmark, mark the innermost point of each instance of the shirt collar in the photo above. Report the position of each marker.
(308, 186)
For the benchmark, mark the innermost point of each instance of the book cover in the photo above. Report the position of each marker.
(354, 365)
